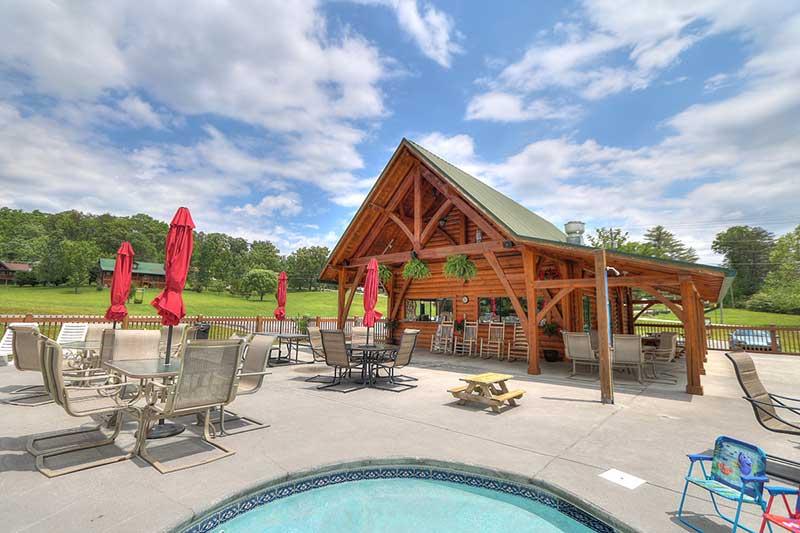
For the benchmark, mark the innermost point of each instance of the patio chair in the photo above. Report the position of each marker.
(27, 345)
(318, 353)
(128, 344)
(766, 406)
(72, 332)
(594, 339)
(442, 340)
(94, 397)
(737, 474)
(467, 343)
(518, 347)
(251, 378)
(493, 344)
(95, 331)
(358, 335)
(337, 356)
(667, 348)
(207, 379)
(6, 343)
(578, 348)
(401, 359)
(628, 354)
(791, 521)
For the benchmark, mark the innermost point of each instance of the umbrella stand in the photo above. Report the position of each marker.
(163, 429)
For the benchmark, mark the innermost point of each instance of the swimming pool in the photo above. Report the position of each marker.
(399, 499)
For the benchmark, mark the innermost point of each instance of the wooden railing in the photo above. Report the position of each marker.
(221, 326)
(766, 339)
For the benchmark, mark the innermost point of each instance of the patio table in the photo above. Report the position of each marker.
(85, 350)
(488, 389)
(292, 340)
(372, 354)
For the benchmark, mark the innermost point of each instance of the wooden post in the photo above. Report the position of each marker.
(259, 324)
(340, 301)
(773, 339)
(125, 322)
(529, 268)
(603, 340)
(417, 210)
(691, 334)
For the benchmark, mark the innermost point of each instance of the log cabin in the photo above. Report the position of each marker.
(422, 206)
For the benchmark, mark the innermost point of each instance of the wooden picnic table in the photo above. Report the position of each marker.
(488, 389)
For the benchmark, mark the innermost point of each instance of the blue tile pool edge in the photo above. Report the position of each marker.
(310, 481)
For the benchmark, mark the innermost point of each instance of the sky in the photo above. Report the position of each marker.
(272, 119)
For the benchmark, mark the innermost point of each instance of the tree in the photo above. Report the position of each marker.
(608, 238)
(666, 245)
(304, 266)
(79, 258)
(259, 281)
(781, 290)
(264, 254)
(747, 250)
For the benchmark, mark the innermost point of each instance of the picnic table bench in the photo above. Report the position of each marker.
(488, 389)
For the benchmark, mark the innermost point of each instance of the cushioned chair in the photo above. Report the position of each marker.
(737, 475)
(92, 397)
(207, 380)
(27, 345)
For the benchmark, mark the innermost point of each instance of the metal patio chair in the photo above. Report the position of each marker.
(737, 475)
(207, 379)
(92, 397)
(578, 348)
(27, 345)
(402, 358)
(667, 348)
(768, 408)
(493, 344)
(358, 335)
(467, 343)
(628, 355)
(251, 378)
(317, 353)
(338, 356)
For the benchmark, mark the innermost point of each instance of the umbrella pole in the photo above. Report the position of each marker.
(166, 430)
(115, 325)
(169, 345)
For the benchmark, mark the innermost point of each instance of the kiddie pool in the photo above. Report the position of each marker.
(398, 498)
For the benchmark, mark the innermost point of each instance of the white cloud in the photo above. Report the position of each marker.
(505, 107)
(431, 29)
(286, 204)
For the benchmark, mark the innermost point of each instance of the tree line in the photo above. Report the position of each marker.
(65, 248)
(767, 268)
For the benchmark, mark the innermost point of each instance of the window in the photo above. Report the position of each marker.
(432, 310)
(499, 309)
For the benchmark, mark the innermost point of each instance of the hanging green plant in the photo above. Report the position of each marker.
(416, 269)
(384, 274)
(460, 267)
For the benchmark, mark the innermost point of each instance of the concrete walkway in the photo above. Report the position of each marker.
(560, 435)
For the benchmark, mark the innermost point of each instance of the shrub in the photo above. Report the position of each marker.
(460, 267)
(416, 269)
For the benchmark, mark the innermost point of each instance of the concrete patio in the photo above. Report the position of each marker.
(560, 435)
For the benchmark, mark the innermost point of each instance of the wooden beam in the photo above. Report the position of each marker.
(399, 301)
(417, 208)
(676, 310)
(566, 305)
(460, 203)
(447, 236)
(647, 306)
(619, 281)
(529, 262)
(498, 270)
(350, 295)
(548, 297)
(603, 341)
(433, 223)
(340, 300)
(690, 330)
(432, 253)
(552, 303)
(402, 225)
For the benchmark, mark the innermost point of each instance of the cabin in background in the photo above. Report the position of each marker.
(143, 274)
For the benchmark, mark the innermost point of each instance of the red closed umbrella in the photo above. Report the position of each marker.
(280, 311)
(180, 242)
(120, 283)
(371, 316)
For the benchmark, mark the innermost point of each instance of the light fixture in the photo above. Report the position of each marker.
(413, 254)
(508, 244)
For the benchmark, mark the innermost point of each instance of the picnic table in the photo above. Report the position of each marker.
(488, 389)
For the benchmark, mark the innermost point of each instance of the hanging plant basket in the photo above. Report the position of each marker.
(416, 269)
(384, 274)
(460, 267)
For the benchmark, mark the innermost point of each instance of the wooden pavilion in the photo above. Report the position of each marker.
(422, 206)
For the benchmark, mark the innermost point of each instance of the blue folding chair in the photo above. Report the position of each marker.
(737, 474)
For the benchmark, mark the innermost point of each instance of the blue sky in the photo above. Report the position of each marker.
(271, 120)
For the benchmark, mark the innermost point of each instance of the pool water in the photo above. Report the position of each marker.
(399, 505)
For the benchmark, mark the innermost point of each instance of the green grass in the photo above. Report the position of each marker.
(89, 301)
(739, 317)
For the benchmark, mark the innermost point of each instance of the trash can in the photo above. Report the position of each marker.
(139, 295)
(203, 328)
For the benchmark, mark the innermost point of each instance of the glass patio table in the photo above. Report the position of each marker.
(372, 355)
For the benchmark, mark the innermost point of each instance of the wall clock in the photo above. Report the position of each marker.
(465, 299)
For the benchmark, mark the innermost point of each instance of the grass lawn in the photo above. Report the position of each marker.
(89, 301)
(739, 317)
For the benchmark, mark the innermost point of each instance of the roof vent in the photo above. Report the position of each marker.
(574, 230)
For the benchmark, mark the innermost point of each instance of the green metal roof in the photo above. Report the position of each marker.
(517, 219)
(139, 267)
